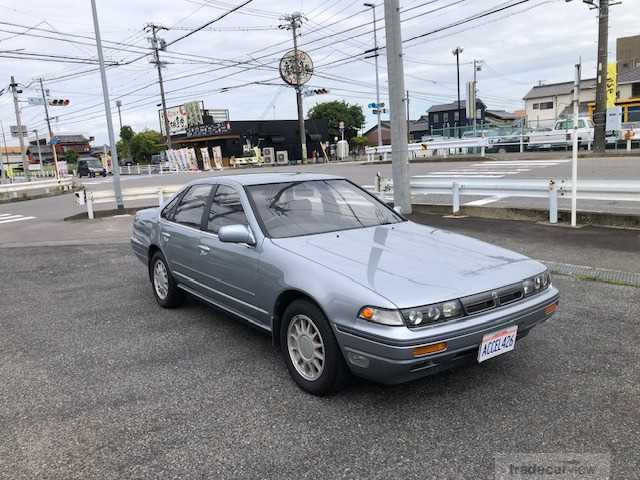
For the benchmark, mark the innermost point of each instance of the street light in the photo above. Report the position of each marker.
(457, 53)
(375, 49)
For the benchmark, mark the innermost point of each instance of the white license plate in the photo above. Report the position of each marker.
(497, 343)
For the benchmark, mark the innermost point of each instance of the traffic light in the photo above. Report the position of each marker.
(59, 102)
(320, 91)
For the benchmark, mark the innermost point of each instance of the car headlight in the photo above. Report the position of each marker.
(536, 284)
(382, 316)
(429, 314)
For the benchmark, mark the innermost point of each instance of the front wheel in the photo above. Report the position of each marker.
(167, 293)
(311, 351)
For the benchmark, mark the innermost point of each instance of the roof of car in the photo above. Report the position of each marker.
(262, 178)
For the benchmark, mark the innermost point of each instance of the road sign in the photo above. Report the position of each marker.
(54, 141)
(381, 110)
(376, 105)
(35, 101)
(614, 118)
(296, 71)
(23, 132)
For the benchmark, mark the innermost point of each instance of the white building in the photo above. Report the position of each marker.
(544, 104)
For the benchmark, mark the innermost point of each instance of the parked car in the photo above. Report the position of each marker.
(562, 134)
(342, 282)
(91, 167)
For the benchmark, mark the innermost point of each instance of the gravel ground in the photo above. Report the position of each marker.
(99, 382)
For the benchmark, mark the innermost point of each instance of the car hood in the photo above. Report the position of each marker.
(411, 264)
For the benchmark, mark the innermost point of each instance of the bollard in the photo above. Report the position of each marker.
(456, 198)
(160, 198)
(89, 199)
(628, 144)
(553, 202)
(149, 169)
(482, 152)
(138, 169)
(521, 143)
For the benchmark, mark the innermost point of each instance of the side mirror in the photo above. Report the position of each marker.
(236, 234)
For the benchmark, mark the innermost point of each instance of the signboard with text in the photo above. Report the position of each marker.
(208, 130)
(182, 116)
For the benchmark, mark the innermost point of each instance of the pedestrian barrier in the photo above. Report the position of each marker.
(588, 189)
(90, 198)
(432, 147)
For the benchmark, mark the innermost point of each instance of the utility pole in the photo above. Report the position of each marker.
(3, 168)
(574, 158)
(25, 161)
(477, 66)
(157, 45)
(376, 55)
(45, 103)
(39, 149)
(600, 114)
(408, 120)
(117, 189)
(457, 53)
(119, 104)
(395, 67)
(295, 22)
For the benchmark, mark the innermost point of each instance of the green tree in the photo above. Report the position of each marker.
(124, 145)
(336, 112)
(71, 156)
(145, 144)
(359, 142)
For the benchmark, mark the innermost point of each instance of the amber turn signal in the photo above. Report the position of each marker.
(429, 349)
(549, 309)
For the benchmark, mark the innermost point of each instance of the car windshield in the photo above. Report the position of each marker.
(304, 208)
(94, 163)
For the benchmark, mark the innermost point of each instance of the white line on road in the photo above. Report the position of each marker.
(19, 219)
(485, 201)
(458, 175)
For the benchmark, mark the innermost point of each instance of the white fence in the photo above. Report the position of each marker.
(435, 147)
(609, 190)
(91, 198)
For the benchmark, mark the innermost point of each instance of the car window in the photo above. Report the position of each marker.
(167, 211)
(191, 207)
(318, 206)
(226, 209)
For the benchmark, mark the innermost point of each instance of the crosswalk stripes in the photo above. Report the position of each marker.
(494, 169)
(11, 218)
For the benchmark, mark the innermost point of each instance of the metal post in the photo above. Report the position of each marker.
(295, 23)
(156, 58)
(4, 167)
(600, 114)
(574, 162)
(45, 104)
(457, 53)
(395, 67)
(375, 47)
(456, 197)
(553, 202)
(115, 165)
(23, 153)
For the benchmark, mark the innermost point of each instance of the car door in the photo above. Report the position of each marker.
(230, 269)
(180, 235)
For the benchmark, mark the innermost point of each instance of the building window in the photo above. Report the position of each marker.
(633, 114)
(445, 117)
(456, 116)
(536, 106)
(635, 90)
(546, 106)
(436, 118)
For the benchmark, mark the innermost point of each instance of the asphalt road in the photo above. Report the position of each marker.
(99, 382)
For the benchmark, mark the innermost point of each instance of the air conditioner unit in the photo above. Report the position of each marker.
(269, 155)
(282, 157)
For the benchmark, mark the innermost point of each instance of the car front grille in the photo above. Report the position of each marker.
(485, 301)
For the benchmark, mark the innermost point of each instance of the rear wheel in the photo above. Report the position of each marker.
(167, 293)
(311, 351)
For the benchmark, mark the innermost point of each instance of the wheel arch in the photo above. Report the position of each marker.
(285, 298)
(153, 248)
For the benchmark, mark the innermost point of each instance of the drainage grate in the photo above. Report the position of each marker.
(611, 276)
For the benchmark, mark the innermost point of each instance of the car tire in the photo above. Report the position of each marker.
(165, 289)
(311, 350)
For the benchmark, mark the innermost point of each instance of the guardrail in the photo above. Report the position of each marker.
(431, 147)
(90, 198)
(14, 189)
(588, 189)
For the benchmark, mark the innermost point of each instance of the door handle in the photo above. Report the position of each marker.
(166, 236)
(203, 249)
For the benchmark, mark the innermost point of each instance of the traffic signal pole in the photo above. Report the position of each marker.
(45, 102)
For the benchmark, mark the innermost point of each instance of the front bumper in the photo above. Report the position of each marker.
(390, 359)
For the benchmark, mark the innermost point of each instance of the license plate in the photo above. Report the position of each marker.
(497, 343)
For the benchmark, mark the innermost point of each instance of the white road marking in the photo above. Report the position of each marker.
(459, 175)
(485, 201)
(18, 218)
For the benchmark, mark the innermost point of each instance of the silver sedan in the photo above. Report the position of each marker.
(342, 283)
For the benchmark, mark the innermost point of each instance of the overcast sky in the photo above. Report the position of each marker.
(536, 41)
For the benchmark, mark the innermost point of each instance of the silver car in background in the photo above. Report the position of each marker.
(342, 282)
